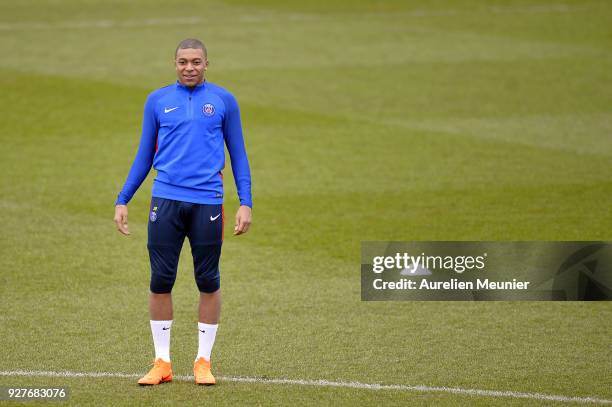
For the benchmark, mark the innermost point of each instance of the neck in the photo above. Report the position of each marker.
(193, 86)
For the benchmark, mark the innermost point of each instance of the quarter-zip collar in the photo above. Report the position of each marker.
(190, 91)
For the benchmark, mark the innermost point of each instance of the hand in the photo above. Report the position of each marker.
(121, 219)
(243, 220)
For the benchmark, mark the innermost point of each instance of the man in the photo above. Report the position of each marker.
(185, 127)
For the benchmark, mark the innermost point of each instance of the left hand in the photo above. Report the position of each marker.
(243, 220)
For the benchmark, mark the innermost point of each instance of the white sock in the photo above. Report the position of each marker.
(206, 336)
(161, 339)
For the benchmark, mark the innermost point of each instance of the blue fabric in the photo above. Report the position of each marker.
(183, 135)
(169, 223)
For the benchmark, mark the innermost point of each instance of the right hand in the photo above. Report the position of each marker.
(121, 219)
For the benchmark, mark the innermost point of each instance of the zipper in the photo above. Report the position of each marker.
(190, 104)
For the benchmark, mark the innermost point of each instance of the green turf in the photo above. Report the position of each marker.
(364, 120)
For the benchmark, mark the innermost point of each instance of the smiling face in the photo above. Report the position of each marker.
(190, 64)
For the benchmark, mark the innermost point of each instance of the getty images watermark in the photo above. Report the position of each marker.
(405, 271)
(422, 264)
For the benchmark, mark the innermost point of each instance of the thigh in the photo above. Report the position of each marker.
(205, 234)
(166, 236)
(166, 223)
(206, 225)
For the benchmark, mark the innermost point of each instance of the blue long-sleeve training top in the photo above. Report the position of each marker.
(183, 135)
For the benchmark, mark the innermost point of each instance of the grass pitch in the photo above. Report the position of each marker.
(363, 120)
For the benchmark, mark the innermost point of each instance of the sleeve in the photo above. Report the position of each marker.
(232, 132)
(144, 157)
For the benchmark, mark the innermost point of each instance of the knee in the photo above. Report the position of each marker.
(206, 267)
(161, 283)
(208, 283)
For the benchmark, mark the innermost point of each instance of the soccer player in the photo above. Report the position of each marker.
(184, 130)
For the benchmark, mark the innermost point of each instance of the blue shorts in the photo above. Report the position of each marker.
(169, 222)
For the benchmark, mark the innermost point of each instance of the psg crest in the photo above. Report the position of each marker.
(153, 215)
(208, 109)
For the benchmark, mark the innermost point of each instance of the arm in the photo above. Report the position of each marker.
(232, 132)
(140, 167)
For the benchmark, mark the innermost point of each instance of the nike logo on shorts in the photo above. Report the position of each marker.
(215, 218)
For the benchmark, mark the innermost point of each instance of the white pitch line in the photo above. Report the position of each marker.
(327, 383)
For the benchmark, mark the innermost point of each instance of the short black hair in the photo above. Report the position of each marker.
(193, 43)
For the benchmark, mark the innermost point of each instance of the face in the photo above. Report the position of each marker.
(190, 66)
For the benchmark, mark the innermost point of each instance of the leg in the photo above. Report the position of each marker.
(210, 307)
(206, 265)
(209, 310)
(166, 236)
(205, 236)
(165, 241)
(160, 306)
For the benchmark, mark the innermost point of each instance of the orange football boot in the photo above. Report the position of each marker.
(160, 373)
(201, 372)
